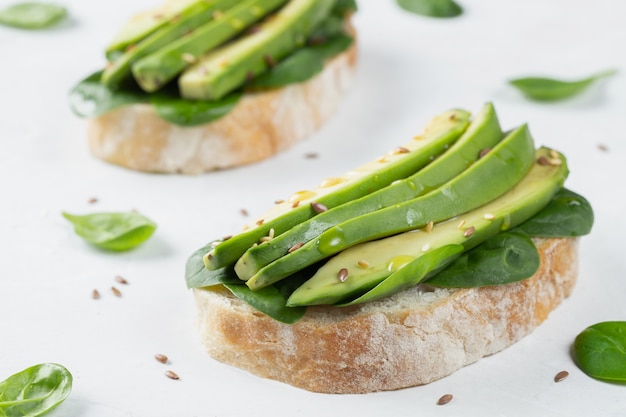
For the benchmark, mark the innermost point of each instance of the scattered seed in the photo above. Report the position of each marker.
(121, 280)
(265, 239)
(543, 161)
(270, 61)
(311, 155)
(555, 162)
(484, 152)
(429, 227)
(224, 238)
(295, 204)
(489, 216)
(130, 47)
(445, 399)
(279, 201)
(426, 247)
(92, 200)
(171, 375)
(382, 159)
(318, 207)
(461, 224)
(244, 212)
(470, 231)
(342, 275)
(95, 294)
(189, 58)
(561, 376)
(603, 147)
(295, 247)
(400, 150)
(418, 137)
(209, 256)
(271, 233)
(254, 29)
(161, 358)
(553, 153)
(259, 222)
(363, 264)
(116, 292)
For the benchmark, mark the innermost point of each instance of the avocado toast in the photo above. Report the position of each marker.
(201, 85)
(424, 270)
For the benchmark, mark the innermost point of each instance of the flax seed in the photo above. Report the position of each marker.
(445, 399)
(161, 358)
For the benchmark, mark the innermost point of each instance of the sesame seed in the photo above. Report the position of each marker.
(95, 294)
(470, 231)
(272, 232)
(461, 224)
(342, 275)
(418, 137)
(318, 207)
(561, 376)
(382, 159)
(555, 161)
(445, 399)
(400, 150)
(295, 247)
(121, 280)
(489, 216)
(265, 239)
(116, 292)
(429, 227)
(171, 375)
(161, 358)
(554, 154)
(189, 58)
(426, 247)
(363, 264)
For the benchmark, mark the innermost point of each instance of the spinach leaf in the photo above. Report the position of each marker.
(344, 6)
(432, 8)
(91, 98)
(302, 65)
(600, 351)
(269, 300)
(182, 112)
(113, 231)
(35, 390)
(568, 214)
(550, 89)
(502, 259)
(198, 276)
(32, 15)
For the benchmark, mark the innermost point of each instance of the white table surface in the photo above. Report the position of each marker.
(411, 68)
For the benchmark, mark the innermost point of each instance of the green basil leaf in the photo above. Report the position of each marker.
(35, 390)
(269, 300)
(600, 351)
(550, 89)
(568, 214)
(91, 98)
(113, 231)
(183, 112)
(502, 259)
(302, 65)
(32, 15)
(432, 8)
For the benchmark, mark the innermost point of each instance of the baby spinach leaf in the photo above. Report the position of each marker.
(198, 276)
(91, 98)
(35, 390)
(302, 65)
(32, 15)
(600, 351)
(502, 259)
(113, 231)
(568, 214)
(344, 6)
(183, 112)
(431, 8)
(268, 300)
(550, 89)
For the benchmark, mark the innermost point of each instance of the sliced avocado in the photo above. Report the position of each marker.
(156, 69)
(440, 132)
(483, 133)
(143, 24)
(227, 68)
(491, 176)
(181, 25)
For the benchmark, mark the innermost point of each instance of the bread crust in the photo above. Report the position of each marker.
(261, 125)
(411, 338)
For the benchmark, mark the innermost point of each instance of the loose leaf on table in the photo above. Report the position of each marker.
(32, 15)
(113, 231)
(35, 390)
(600, 351)
(431, 8)
(550, 89)
(502, 259)
(568, 214)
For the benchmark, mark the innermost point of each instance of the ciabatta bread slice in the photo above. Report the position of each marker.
(261, 125)
(411, 338)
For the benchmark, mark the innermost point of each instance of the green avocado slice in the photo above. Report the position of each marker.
(440, 132)
(228, 67)
(483, 133)
(491, 176)
(380, 268)
(156, 69)
(176, 27)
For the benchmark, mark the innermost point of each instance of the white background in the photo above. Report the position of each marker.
(411, 68)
